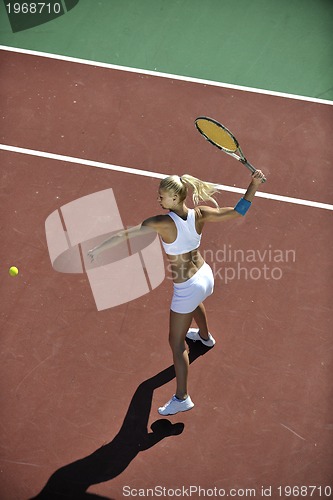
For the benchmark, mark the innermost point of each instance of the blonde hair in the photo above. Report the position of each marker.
(202, 190)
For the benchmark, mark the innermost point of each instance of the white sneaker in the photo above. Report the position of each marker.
(193, 334)
(175, 405)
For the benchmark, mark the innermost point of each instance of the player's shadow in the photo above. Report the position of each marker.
(107, 462)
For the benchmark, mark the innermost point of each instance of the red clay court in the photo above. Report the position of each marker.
(81, 387)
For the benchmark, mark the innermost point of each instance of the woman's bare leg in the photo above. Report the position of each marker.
(200, 318)
(179, 325)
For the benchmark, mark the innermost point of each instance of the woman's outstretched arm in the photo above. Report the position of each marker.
(147, 226)
(116, 239)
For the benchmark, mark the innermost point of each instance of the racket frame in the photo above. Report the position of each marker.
(240, 157)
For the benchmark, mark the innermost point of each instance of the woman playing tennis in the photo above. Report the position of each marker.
(180, 231)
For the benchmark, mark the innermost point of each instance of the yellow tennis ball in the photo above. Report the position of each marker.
(13, 271)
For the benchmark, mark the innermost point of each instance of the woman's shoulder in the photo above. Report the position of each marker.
(200, 211)
(157, 221)
(203, 210)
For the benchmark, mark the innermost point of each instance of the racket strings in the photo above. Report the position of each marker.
(218, 135)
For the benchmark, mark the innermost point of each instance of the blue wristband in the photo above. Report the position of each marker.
(242, 206)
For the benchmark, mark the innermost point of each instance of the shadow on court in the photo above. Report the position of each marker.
(106, 463)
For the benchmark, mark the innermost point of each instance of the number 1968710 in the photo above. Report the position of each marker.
(34, 8)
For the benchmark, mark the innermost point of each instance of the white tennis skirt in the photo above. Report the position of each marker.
(189, 294)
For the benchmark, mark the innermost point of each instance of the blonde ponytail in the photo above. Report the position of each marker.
(202, 191)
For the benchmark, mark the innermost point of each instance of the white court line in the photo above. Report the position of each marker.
(156, 175)
(69, 159)
(163, 75)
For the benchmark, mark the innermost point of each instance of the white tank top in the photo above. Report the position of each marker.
(187, 237)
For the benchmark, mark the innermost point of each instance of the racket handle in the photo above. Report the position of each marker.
(250, 167)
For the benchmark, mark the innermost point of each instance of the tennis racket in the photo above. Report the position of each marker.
(218, 135)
